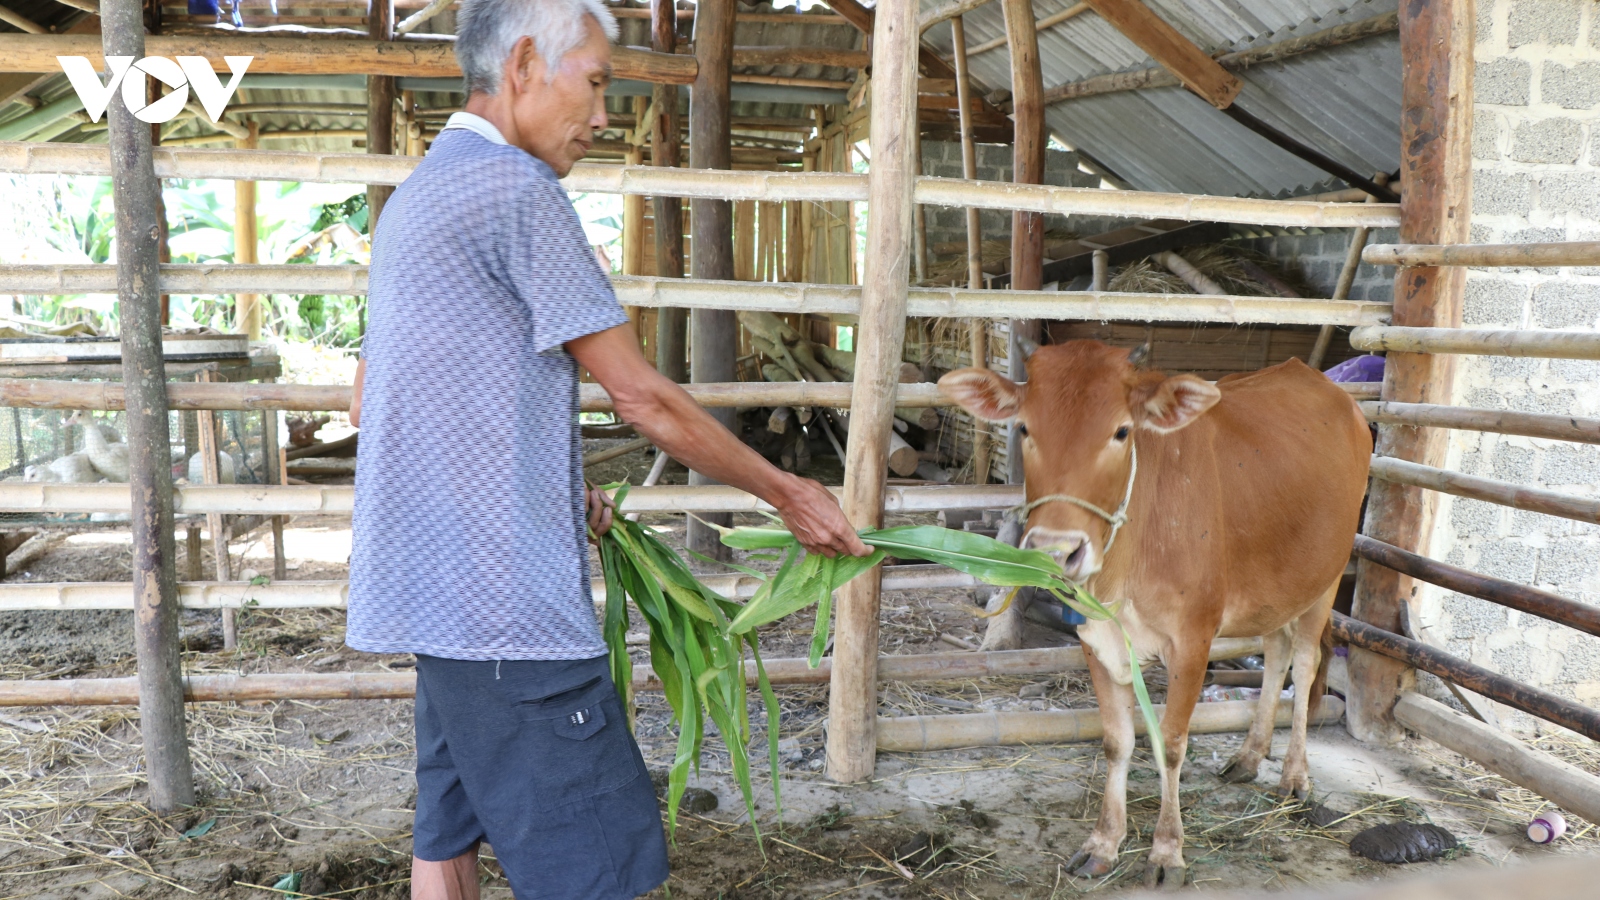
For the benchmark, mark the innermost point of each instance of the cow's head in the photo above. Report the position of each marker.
(1079, 415)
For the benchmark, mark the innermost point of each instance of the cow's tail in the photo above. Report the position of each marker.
(1319, 684)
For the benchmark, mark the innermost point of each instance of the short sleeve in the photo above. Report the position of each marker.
(552, 268)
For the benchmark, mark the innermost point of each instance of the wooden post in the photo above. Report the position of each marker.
(272, 459)
(852, 696)
(1435, 162)
(1347, 278)
(135, 192)
(1027, 228)
(633, 206)
(715, 344)
(247, 307)
(380, 108)
(671, 324)
(978, 329)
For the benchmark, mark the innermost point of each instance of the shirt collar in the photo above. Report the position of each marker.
(476, 123)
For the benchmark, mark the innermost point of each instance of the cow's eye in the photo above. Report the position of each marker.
(1022, 429)
(1122, 433)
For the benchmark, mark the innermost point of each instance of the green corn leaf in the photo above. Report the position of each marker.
(819, 632)
(1152, 725)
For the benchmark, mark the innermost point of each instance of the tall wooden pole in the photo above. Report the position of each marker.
(672, 355)
(381, 95)
(715, 343)
(136, 192)
(1436, 168)
(1027, 228)
(978, 329)
(247, 307)
(852, 694)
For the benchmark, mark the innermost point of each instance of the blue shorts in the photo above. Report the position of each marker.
(535, 758)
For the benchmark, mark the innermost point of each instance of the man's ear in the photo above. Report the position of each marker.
(983, 393)
(1166, 404)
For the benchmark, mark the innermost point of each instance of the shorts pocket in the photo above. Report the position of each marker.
(575, 742)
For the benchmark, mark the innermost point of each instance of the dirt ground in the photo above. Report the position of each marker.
(315, 798)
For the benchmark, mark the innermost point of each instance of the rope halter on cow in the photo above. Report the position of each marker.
(1115, 519)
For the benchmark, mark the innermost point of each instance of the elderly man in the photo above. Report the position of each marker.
(470, 514)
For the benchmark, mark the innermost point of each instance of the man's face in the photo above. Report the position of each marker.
(556, 121)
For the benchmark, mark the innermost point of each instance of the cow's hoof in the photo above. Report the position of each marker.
(1084, 864)
(1240, 770)
(1169, 878)
(1301, 792)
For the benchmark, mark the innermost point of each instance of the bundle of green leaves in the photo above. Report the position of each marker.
(698, 637)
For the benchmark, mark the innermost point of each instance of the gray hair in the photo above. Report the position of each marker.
(486, 30)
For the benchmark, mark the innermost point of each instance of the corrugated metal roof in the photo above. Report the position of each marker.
(1344, 101)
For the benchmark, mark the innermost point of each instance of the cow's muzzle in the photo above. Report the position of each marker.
(1072, 549)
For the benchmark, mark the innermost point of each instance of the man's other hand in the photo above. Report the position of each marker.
(601, 508)
(813, 515)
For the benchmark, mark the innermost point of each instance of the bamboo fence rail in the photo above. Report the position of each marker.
(402, 685)
(686, 293)
(1560, 428)
(1569, 253)
(231, 499)
(1542, 344)
(267, 165)
(914, 734)
(1501, 493)
(30, 393)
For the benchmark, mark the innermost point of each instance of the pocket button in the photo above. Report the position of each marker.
(581, 724)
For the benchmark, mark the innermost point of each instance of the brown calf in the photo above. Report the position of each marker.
(1233, 508)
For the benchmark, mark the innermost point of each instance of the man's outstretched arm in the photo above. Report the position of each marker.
(666, 414)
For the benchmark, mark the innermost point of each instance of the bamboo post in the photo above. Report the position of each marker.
(247, 307)
(977, 329)
(135, 192)
(919, 229)
(1436, 165)
(633, 208)
(381, 95)
(715, 341)
(1347, 279)
(211, 467)
(891, 179)
(671, 323)
(1027, 228)
(273, 460)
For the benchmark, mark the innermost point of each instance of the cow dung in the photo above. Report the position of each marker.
(1403, 842)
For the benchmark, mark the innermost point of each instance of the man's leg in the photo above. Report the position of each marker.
(453, 879)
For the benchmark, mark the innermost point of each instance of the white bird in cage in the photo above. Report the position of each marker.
(110, 459)
(226, 470)
(74, 468)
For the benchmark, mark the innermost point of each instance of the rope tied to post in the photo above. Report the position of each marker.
(1115, 519)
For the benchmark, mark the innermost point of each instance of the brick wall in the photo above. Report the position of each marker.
(1536, 177)
(1315, 258)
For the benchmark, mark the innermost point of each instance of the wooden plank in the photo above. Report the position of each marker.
(137, 196)
(276, 55)
(880, 339)
(1167, 46)
(1436, 168)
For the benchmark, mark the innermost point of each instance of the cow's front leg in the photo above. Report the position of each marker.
(1186, 672)
(1098, 856)
(1242, 768)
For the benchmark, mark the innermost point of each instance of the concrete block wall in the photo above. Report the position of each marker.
(948, 225)
(1536, 177)
(1315, 259)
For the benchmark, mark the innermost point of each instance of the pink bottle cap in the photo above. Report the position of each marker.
(1547, 827)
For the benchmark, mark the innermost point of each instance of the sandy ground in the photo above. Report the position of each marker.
(316, 798)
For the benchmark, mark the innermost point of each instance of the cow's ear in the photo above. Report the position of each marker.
(983, 393)
(1164, 405)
